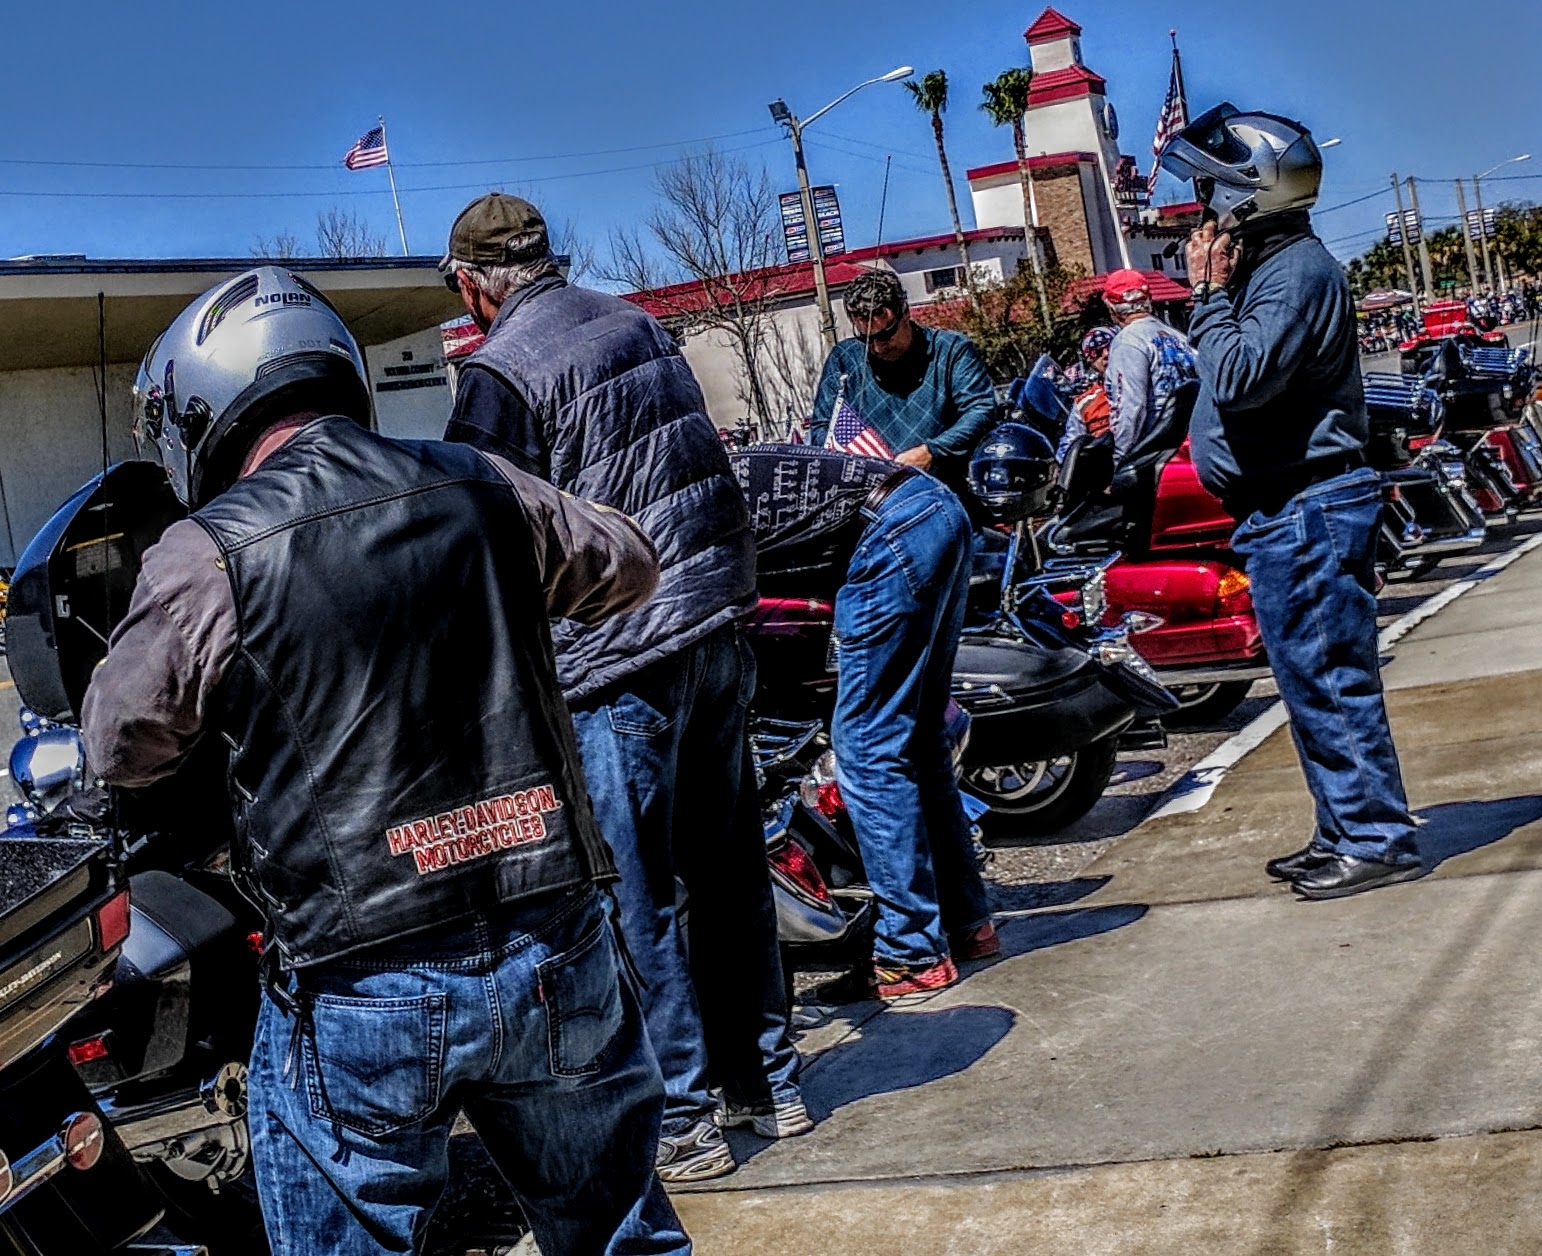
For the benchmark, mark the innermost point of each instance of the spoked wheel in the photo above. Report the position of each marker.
(1206, 704)
(1043, 797)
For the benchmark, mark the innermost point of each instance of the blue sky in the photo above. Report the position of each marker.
(574, 104)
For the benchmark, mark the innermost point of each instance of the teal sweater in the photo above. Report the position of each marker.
(939, 395)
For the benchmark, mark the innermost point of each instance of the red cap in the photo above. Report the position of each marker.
(1125, 285)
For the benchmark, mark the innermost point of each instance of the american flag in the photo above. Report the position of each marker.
(1175, 116)
(851, 434)
(369, 151)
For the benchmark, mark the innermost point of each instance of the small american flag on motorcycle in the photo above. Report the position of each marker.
(852, 434)
(1175, 116)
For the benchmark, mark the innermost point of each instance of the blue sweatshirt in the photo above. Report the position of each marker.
(1279, 367)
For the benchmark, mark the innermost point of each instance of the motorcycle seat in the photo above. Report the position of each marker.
(1014, 667)
(183, 922)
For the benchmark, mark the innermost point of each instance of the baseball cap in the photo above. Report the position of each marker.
(1125, 285)
(494, 230)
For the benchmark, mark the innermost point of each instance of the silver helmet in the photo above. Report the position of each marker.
(1246, 166)
(250, 351)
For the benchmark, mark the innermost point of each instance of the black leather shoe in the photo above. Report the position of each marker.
(1344, 875)
(1294, 866)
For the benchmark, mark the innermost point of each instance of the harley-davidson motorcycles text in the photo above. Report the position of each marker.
(475, 831)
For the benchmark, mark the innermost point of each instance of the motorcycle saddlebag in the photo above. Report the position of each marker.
(1028, 703)
(73, 582)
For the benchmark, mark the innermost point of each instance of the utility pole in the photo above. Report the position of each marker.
(1402, 234)
(1488, 266)
(1424, 248)
(816, 246)
(1472, 265)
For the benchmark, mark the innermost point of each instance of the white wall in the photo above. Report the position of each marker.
(410, 385)
(51, 442)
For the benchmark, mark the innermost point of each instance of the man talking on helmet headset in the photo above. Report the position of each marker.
(1277, 432)
(363, 623)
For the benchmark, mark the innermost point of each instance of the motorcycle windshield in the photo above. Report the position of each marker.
(1040, 398)
(73, 582)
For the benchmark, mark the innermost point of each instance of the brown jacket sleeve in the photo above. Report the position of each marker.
(594, 561)
(145, 707)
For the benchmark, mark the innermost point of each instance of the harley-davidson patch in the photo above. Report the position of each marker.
(476, 830)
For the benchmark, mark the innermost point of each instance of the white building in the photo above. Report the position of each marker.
(60, 317)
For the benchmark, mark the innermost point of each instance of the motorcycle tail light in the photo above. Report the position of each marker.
(112, 921)
(82, 1135)
(1232, 595)
(1071, 619)
(828, 801)
(793, 862)
(88, 1049)
(7, 1178)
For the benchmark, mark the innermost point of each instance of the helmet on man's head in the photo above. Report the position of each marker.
(249, 352)
(1012, 472)
(1246, 166)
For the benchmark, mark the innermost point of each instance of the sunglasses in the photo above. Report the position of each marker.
(882, 337)
(452, 281)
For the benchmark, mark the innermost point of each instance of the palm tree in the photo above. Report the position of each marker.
(931, 97)
(1006, 101)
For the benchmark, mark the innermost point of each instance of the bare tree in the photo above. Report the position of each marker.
(699, 258)
(342, 233)
(567, 240)
(795, 355)
(280, 247)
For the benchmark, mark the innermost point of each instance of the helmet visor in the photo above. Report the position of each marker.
(1210, 135)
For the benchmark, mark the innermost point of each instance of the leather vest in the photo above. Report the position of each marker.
(400, 753)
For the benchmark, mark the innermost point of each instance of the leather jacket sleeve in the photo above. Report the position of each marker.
(145, 708)
(594, 561)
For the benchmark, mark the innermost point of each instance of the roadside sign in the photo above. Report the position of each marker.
(1410, 223)
(1488, 227)
(827, 212)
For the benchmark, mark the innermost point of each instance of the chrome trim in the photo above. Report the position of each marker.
(30, 1171)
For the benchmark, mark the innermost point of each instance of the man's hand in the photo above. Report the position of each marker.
(1211, 257)
(920, 457)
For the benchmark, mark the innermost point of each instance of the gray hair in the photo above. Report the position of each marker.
(498, 283)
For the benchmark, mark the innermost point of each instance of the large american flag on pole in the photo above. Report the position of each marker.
(851, 434)
(1175, 116)
(369, 151)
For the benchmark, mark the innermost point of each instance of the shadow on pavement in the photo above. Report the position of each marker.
(901, 1051)
(1455, 828)
(1035, 895)
(1036, 933)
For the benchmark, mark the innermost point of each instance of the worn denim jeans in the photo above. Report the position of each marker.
(522, 1019)
(898, 618)
(673, 787)
(1312, 568)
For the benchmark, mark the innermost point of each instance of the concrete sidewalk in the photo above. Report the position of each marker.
(1185, 1058)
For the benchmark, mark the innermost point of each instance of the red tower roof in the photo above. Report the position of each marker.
(1050, 25)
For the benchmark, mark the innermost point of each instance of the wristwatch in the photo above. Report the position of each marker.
(1205, 287)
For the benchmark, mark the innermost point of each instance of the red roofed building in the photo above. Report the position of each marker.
(1088, 195)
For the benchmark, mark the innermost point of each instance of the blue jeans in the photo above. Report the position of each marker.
(898, 618)
(673, 787)
(1312, 568)
(523, 1020)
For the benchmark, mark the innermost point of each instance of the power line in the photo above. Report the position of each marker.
(337, 165)
(338, 192)
(1359, 200)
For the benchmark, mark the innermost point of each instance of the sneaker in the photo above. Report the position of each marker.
(781, 1120)
(694, 1154)
(857, 986)
(981, 943)
(900, 981)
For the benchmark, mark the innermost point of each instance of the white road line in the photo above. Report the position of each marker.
(1195, 787)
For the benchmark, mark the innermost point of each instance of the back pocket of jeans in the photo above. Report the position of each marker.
(581, 991)
(374, 1065)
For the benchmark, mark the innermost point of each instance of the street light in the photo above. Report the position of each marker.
(1477, 191)
(783, 116)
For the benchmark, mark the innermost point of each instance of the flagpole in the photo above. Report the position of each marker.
(395, 200)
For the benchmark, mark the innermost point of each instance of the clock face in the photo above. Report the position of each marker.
(1110, 120)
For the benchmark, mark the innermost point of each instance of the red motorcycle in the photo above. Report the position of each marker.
(1176, 564)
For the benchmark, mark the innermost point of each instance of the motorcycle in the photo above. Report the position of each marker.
(1428, 512)
(1167, 542)
(161, 1052)
(1486, 394)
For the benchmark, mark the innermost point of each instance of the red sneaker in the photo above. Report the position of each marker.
(981, 943)
(898, 981)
